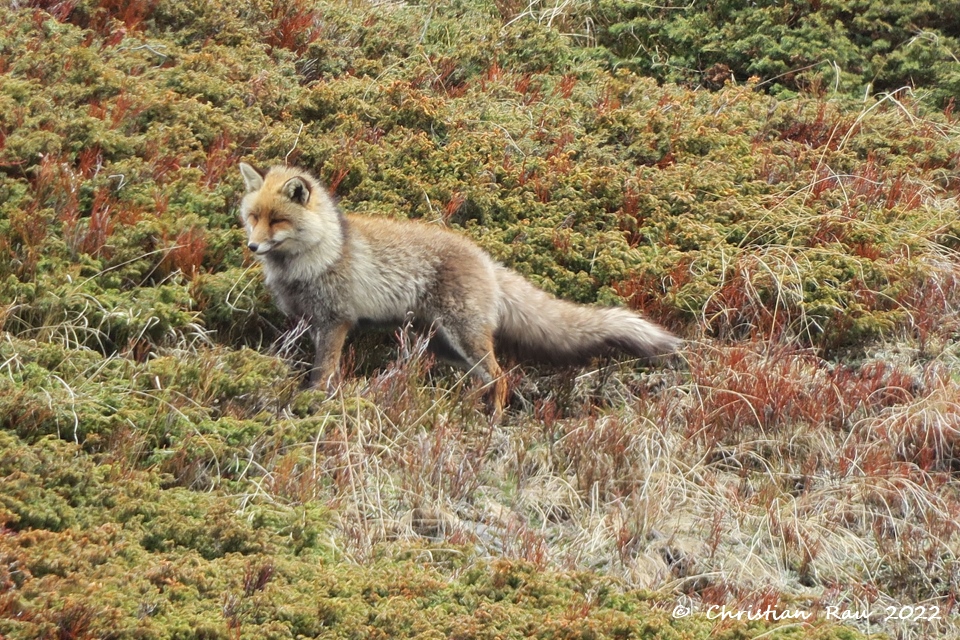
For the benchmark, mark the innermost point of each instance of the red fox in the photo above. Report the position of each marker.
(337, 270)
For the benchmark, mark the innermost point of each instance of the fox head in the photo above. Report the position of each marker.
(285, 210)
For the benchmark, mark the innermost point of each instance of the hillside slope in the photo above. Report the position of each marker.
(165, 475)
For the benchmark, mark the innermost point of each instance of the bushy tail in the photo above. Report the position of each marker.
(534, 325)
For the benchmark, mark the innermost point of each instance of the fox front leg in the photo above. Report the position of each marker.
(329, 341)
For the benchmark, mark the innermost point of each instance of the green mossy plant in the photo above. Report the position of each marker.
(839, 45)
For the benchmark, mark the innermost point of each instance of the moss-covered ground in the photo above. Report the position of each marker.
(779, 187)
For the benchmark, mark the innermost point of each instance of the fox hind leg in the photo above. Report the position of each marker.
(474, 351)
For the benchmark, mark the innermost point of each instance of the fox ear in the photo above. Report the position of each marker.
(252, 178)
(297, 190)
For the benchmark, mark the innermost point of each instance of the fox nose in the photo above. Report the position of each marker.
(253, 246)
